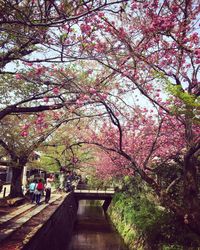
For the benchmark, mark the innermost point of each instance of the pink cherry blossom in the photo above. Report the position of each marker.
(46, 99)
(18, 76)
(24, 133)
(56, 90)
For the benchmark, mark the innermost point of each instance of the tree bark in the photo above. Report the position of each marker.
(191, 199)
(16, 182)
(191, 193)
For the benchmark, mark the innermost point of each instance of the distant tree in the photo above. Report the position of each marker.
(61, 150)
(17, 147)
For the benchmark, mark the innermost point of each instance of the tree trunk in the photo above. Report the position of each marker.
(191, 186)
(191, 194)
(16, 182)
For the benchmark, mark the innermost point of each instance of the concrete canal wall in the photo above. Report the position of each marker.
(55, 234)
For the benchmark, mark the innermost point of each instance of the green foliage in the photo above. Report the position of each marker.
(144, 224)
(161, 77)
(188, 99)
(63, 37)
(57, 152)
(12, 90)
(138, 217)
(173, 247)
(167, 172)
(95, 182)
(49, 164)
(189, 103)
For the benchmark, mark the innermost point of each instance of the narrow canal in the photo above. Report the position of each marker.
(93, 231)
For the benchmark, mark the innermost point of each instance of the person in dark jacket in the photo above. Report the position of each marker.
(39, 190)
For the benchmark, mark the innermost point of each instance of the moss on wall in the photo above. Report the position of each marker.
(144, 225)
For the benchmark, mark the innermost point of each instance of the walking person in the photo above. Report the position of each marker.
(39, 190)
(61, 180)
(68, 181)
(49, 181)
(32, 187)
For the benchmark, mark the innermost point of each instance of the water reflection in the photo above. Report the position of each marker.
(93, 231)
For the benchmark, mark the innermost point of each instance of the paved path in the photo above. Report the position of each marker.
(11, 222)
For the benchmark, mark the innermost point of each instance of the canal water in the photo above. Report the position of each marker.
(93, 231)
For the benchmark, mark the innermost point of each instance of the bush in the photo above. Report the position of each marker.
(144, 225)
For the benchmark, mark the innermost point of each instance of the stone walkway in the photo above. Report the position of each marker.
(18, 226)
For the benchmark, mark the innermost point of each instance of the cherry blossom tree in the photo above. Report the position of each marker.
(17, 144)
(154, 46)
(25, 24)
(145, 47)
(138, 145)
(36, 34)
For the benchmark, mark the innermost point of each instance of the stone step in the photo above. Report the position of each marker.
(16, 224)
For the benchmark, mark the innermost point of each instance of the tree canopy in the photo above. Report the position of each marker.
(128, 69)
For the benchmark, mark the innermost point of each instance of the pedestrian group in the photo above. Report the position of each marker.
(37, 189)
